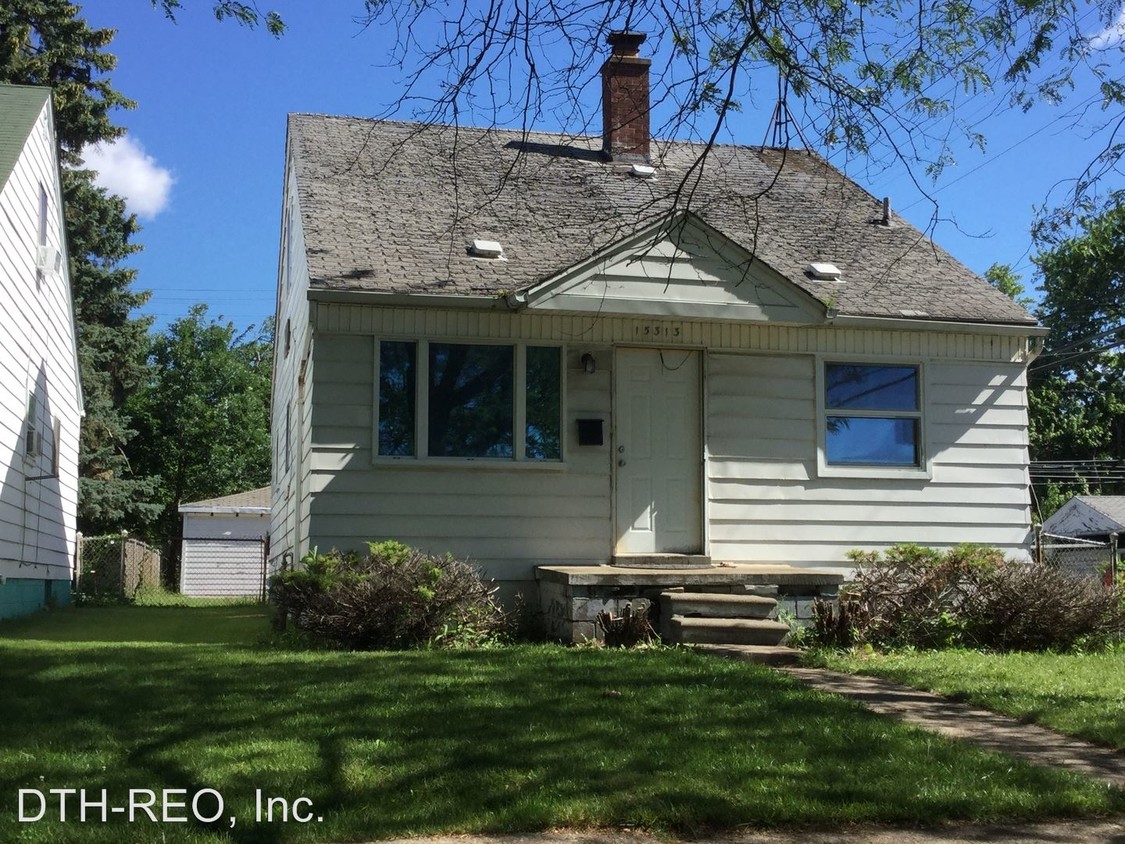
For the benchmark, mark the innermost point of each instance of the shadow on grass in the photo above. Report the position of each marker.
(239, 624)
(388, 745)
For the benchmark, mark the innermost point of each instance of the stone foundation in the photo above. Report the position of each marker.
(570, 597)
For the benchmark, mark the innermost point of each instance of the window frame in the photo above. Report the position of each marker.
(922, 470)
(421, 457)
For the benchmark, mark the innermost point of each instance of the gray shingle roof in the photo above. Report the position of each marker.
(20, 107)
(255, 499)
(390, 207)
(1110, 506)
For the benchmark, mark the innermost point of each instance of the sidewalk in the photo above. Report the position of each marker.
(1033, 744)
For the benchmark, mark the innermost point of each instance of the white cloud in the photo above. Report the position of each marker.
(1111, 36)
(125, 169)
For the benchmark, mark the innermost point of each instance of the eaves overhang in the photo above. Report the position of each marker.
(329, 295)
(1006, 329)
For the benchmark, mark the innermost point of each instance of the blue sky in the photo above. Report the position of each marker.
(204, 157)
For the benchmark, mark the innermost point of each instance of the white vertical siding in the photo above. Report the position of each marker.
(506, 518)
(38, 509)
(767, 504)
(212, 564)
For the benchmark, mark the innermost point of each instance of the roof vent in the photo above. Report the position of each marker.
(822, 271)
(486, 249)
(642, 171)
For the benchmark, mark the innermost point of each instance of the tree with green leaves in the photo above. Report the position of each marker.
(1004, 279)
(45, 42)
(1077, 388)
(203, 415)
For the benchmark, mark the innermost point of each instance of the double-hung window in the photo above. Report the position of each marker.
(469, 400)
(873, 416)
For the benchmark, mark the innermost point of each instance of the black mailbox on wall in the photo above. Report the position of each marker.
(590, 432)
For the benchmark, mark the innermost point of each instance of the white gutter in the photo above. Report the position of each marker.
(902, 324)
(226, 511)
(409, 300)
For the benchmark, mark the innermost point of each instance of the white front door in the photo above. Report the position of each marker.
(658, 451)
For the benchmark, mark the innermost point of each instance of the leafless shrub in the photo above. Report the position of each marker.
(969, 596)
(394, 597)
(1038, 608)
(628, 630)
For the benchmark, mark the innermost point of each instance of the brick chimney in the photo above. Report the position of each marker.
(625, 103)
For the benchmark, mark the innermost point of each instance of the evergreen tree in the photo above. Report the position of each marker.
(45, 42)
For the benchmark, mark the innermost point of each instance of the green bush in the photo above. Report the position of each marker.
(391, 598)
(968, 596)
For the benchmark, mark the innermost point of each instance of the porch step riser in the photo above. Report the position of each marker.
(762, 655)
(717, 606)
(706, 631)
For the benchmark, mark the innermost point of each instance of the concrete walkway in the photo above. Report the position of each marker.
(989, 730)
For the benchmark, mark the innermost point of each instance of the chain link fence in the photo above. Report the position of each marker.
(118, 569)
(114, 568)
(1084, 557)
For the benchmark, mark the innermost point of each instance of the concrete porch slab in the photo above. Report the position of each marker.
(715, 575)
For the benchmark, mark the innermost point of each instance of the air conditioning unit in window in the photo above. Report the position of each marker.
(31, 443)
(48, 259)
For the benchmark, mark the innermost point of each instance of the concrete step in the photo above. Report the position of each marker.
(761, 654)
(726, 631)
(661, 561)
(715, 605)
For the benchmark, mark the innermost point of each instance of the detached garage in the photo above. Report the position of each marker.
(225, 545)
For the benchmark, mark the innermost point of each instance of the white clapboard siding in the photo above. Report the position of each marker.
(289, 519)
(510, 515)
(38, 358)
(766, 502)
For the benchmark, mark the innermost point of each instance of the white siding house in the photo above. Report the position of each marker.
(40, 396)
(523, 349)
(224, 547)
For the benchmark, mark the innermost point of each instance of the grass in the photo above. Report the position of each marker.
(517, 739)
(231, 624)
(1079, 694)
(156, 596)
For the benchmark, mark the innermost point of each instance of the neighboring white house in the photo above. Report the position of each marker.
(532, 349)
(40, 395)
(225, 539)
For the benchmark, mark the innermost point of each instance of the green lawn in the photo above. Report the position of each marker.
(241, 624)
(525, 738)
(1079, 694)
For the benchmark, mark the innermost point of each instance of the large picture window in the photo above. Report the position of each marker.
(873, 415)
(469, 400)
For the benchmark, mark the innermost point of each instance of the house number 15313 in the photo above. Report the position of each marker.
(656, 330)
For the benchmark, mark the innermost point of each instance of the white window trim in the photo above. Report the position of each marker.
(421, 459)
(924, 471)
